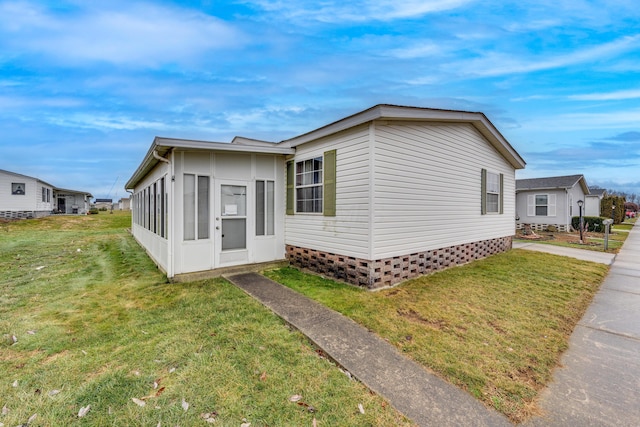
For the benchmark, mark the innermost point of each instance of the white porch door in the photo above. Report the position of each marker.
(232, 223)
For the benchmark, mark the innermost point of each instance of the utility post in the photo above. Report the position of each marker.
(607, 223)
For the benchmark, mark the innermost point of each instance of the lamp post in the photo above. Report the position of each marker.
(580, 203)
(613, 213)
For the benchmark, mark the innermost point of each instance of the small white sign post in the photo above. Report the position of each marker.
(607, 223)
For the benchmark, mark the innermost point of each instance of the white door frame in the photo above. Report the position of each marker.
(233, 212)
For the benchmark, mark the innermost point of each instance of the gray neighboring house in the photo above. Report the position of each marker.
(550, 201)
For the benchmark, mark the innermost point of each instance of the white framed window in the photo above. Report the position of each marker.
(493, 192)
(265, 208)
(308, 185)
(196, 207)
(542, 205)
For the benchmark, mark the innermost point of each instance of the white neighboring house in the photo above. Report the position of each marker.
(373, 199)
(124, 204)
(550, 201)
(23, 196)
(592, 201)
(72, 202)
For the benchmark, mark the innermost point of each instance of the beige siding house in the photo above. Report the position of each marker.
(373, 199)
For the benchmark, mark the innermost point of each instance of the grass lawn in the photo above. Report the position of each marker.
(86, 320)
(592, 241)
(495, 327)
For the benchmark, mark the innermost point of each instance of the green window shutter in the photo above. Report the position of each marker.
(329, 191)
(501, 193)
(290, 187)
(483, 190)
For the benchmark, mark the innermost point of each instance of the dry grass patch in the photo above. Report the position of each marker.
(495, 327)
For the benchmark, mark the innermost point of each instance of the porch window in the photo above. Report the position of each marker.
(196, 207)
(309, 185)
(265, 208)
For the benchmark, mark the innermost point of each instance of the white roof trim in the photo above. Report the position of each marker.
(164, 145)
(394, 112)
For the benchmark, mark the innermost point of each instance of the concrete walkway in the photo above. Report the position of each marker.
(424, 398)
(583, 254)
(597, 385)
(599, 381)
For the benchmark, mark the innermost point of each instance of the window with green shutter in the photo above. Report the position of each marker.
(311, 185)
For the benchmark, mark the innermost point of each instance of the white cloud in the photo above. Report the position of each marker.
(593, 122)
(127, 33)
(608, 96)
(417, 50)
(104, 122)
(499, 64)
(358, 10)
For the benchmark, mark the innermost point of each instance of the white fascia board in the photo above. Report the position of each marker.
(266, 148)
(164, 145)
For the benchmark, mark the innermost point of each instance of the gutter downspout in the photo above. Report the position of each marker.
(169, 201)
(159, 157)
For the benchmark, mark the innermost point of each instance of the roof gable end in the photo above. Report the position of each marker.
(395, 112)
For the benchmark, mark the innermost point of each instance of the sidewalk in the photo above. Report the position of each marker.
(598, 383)
(424, 398)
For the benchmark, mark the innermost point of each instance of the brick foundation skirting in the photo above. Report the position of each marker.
(23, 214)
(544, 227)
(374, 274)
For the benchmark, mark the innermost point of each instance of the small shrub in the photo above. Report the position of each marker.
(552, 228)
(592, 223)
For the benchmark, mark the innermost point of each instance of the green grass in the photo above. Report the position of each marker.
(97, 323)
(495, 327)
(592, 241)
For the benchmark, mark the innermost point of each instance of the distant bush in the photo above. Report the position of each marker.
(93, 211)
(103, 209)
(592, 223)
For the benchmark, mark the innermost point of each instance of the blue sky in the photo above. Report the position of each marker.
(85, 85)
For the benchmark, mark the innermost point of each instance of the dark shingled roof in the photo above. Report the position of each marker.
(597, 191)
(552, 182)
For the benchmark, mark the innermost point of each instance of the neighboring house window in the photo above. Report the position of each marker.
(265, 208)
(17, 188)
(492, 189)
(309, 185)
(196, 207)
(542, 205)
(44, 194)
